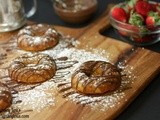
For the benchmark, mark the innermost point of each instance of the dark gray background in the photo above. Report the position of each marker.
(147, 105)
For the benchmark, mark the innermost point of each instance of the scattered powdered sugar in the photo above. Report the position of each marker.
(51, 31)
(43, 96)
(102, 102)
(37, 40)
(81, 56)
(35, 99)
(64, 43)
(25, 31)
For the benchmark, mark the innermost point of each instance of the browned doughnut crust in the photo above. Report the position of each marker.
(37, 37)
(32, 68)
(5, 97)
(96, 77)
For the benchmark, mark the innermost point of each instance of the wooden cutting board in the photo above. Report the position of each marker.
(145, 63)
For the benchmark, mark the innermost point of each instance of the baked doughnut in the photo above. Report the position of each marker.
(5, 97)
(96, 77)
(32, 68)
(37, 37)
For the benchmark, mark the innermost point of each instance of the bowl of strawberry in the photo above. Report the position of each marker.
(137, 21)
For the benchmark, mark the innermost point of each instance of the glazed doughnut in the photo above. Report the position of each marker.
(32, 68)
(96, 77)
(5, 97)
(37, 37)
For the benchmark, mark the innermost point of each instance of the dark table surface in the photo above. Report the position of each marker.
(147, 105)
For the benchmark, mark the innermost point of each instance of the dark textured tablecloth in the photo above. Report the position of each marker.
(147, 105)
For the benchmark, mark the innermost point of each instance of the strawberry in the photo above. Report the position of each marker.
(146, 37)
(158, 8)
(153, 19)
(154, 7)
(131, 3)
(143, 39)
(127, 29)
(143, 8)
(150, 21)
(136, 19)
(119, 14)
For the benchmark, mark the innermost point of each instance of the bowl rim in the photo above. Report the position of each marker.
(123, 23)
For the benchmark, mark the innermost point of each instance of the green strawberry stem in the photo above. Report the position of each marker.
(136, 19)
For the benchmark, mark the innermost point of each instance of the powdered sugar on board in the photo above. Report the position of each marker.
(102, 102)
(67, 48)
(37, 98)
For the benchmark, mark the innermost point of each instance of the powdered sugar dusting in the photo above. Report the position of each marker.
(37, 40)
(37, 98)
(40, 97)
(101, 102)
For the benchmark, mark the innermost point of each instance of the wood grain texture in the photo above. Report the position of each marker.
(145, 63)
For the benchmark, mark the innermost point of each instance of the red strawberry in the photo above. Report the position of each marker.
(143, 39)
(119, 14)
(158, 8)
(150, 21)
(142, 35)
(147, 38)
(127, 29)
(153, 19)
(143, 8)
(154, 7)
(131, 4)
